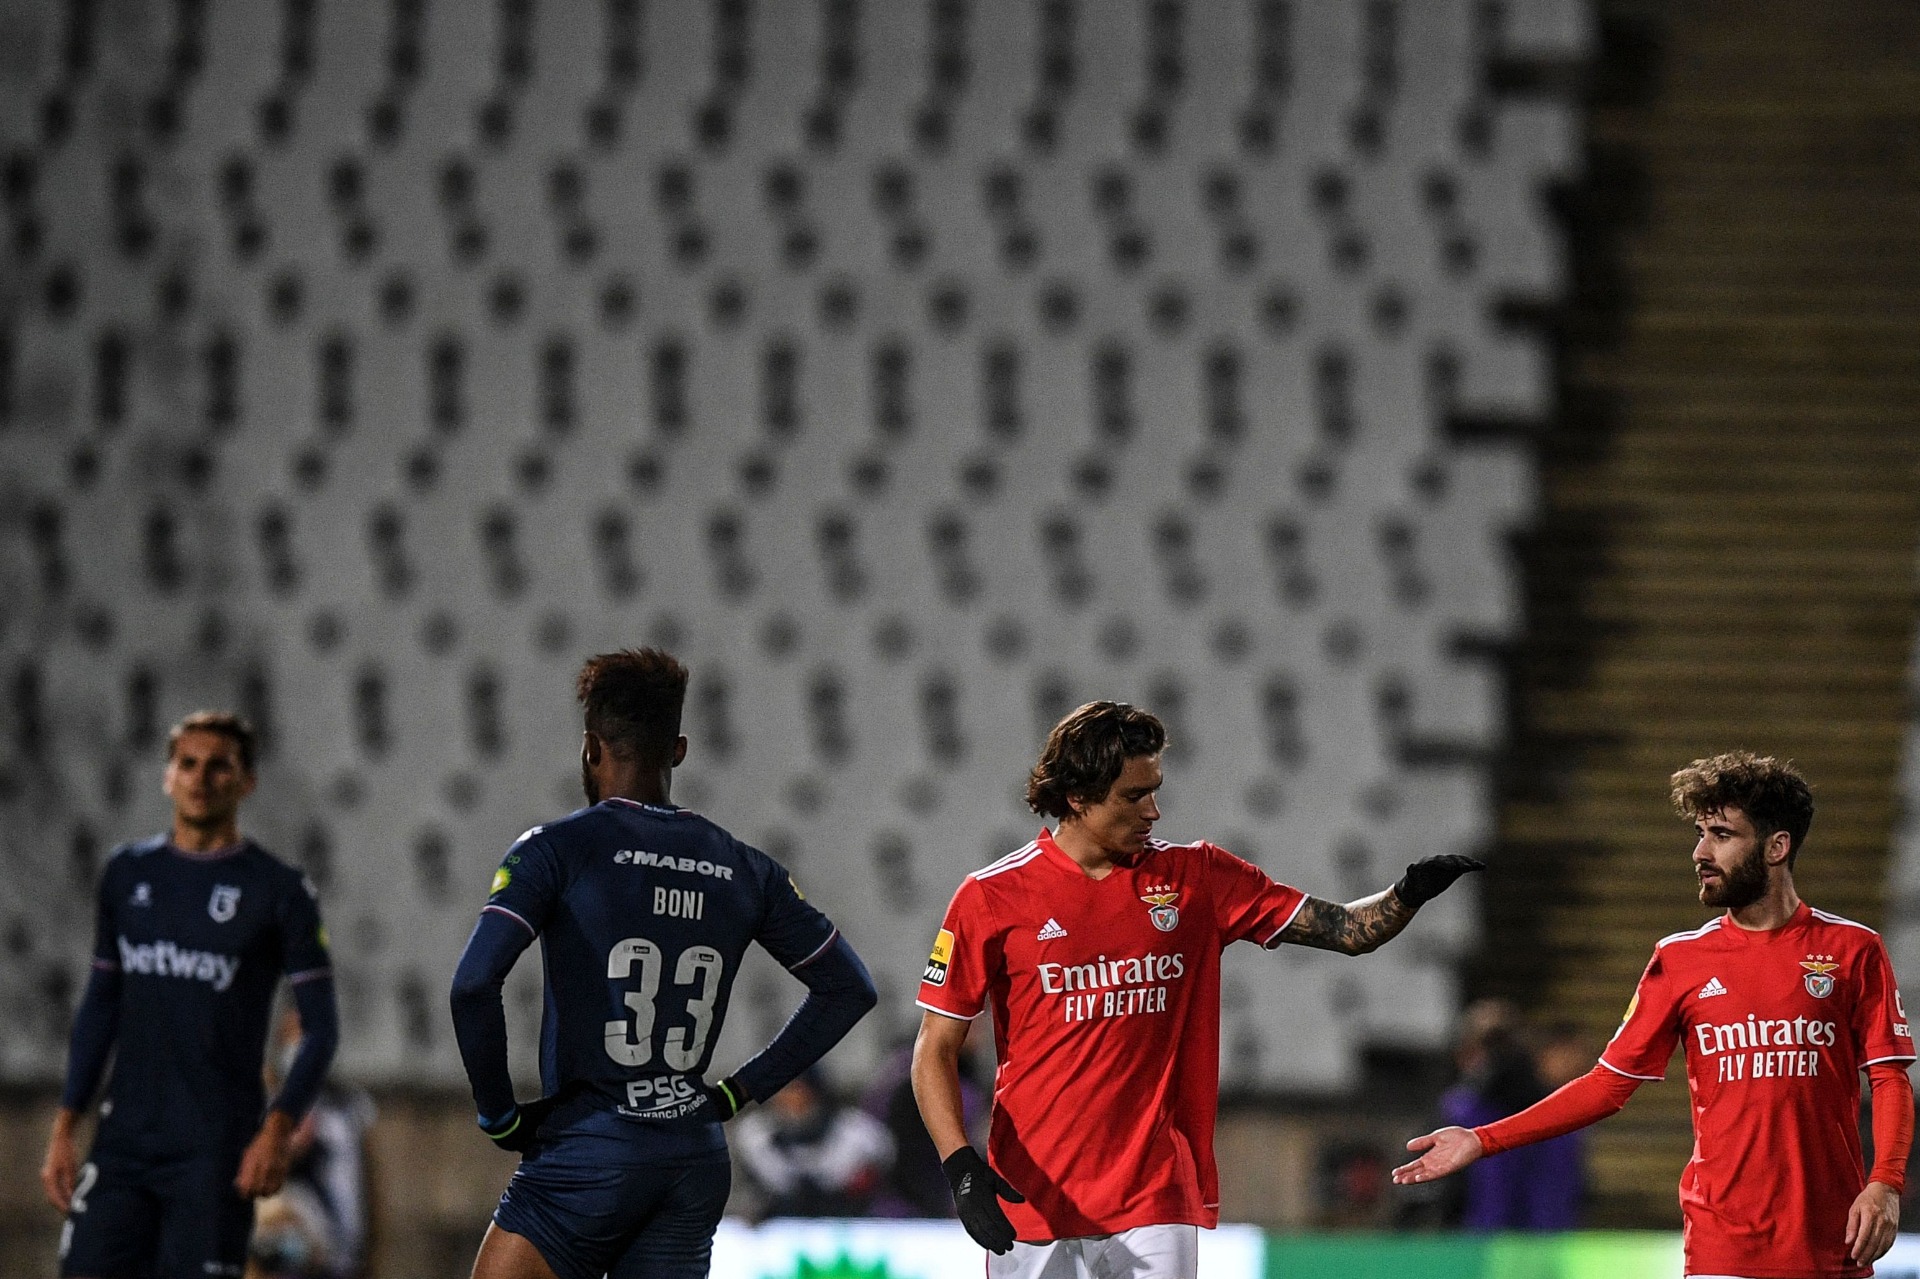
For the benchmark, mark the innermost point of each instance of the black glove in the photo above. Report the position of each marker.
(977, 1191)
(518, 1131)
(1427, 878)
(727, 1098)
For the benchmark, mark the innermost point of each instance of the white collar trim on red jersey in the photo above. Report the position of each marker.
(1692, 934)
(1012, 861)
(1831, 918)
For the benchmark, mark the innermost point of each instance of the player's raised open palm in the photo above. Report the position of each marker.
(1442, 1153)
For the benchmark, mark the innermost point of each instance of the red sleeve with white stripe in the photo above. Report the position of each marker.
(1592, 1097)
(1650, 1031)
(1248, 904)
(965, 950)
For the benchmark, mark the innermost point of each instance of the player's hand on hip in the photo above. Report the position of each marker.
(263, 1168)
(521, 1128)
(726, 1098)
(62, 1165)
(1442, 1153)
(1872, 1223)
(1427, 878)
(977, 1192)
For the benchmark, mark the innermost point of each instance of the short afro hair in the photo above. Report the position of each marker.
(1771, 792)
(235, 728)
(1085, 753)
(632, 701)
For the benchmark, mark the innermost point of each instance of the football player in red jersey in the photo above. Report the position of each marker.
(1779, 1007)
(1098, 949)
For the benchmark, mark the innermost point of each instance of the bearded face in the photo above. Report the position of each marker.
(1730, 861)
(1743, 885)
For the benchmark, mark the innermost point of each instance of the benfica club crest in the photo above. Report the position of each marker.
(224, 902)
(1161, 910)
(1819, 975)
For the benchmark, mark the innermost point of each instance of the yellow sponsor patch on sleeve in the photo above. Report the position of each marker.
(796, 888)
(936, 973)
(1632, 1004)
(501, 878)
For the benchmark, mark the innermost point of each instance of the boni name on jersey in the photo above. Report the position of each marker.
(1132, 977)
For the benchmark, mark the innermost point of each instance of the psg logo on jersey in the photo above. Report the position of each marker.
(224, 902)
(1161, 910)
(1819, 975)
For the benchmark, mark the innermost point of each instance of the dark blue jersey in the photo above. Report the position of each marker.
(644, 914)
(198, 944)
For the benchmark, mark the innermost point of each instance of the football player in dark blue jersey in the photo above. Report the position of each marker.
(194, 931)
(644, 912)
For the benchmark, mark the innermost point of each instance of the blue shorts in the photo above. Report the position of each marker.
(649, 1222)
(156, 1218)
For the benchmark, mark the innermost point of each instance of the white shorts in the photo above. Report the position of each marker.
(1145, 1252)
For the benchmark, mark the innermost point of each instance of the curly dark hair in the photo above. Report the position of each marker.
(632, 701)
(1085, 753)
(1771, 792)
(235, 728)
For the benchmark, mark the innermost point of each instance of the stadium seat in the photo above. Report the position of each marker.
(915, 370)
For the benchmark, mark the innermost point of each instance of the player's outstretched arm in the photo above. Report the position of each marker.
(1363, 926)
(1592, 1097)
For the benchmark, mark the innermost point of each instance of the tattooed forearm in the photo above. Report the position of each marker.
(1353, 929)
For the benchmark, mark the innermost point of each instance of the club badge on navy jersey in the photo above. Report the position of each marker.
(142, 894)
(1161, 909)
(1819, 975)
(224, 902)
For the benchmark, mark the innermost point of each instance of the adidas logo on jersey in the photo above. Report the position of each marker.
(1712, 988)
(1051, 931)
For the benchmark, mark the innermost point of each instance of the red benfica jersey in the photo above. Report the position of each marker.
(1106, 1015)
(1777, 1027)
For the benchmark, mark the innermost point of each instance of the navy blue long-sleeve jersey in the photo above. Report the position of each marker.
(644, 914)
(188, 952)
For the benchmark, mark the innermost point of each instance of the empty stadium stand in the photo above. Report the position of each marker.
(916, 370)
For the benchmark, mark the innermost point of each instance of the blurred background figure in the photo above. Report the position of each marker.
(1536, 1188)
(320, 1226)
(807, 1154)
(916, 1186)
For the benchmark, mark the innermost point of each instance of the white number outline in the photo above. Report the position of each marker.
(637, 1049)
(694, 962)
(630, 1042)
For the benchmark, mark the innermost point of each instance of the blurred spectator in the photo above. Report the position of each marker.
(809, 1155)
(1538, 1187)
(320, 1226)
(1353, 1185)
(916, 1186)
